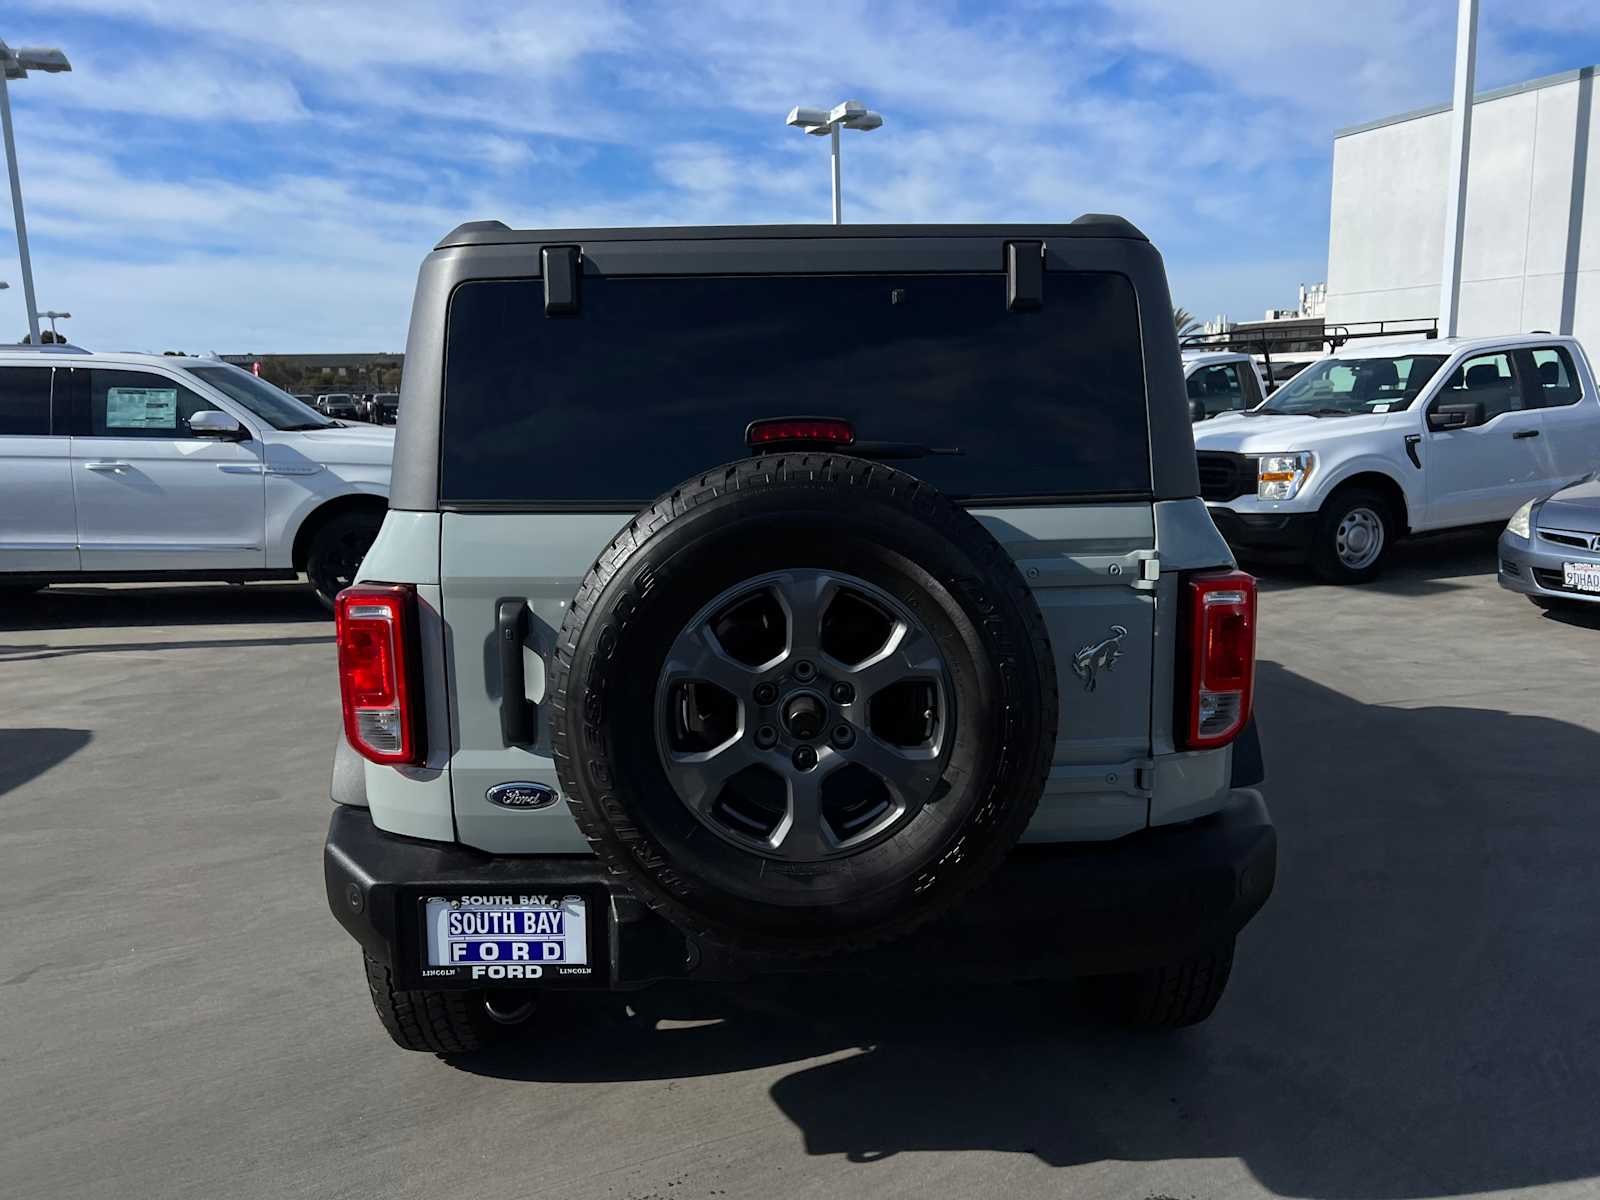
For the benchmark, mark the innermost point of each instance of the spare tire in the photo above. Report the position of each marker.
(802, 704)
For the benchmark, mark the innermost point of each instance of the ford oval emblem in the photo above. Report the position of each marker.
(523, 797)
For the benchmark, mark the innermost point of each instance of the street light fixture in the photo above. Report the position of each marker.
(851, 114)
(17, 64)
(53, 316)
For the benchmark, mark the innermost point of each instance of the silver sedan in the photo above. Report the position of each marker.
(1550, 550)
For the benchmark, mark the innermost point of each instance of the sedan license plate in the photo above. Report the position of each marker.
(518, 938)
(1581, 577)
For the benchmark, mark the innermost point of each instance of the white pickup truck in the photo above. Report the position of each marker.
(1379, 441)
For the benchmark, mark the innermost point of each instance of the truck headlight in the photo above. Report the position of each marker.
(1281, 476)
(1521, 521)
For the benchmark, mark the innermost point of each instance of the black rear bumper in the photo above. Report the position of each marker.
(1061, 910)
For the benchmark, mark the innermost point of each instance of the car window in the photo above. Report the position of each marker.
(1550, 378)
(1218, 388)
(25, 401)
(137, 404)
(656, 377)
(1485, 380)
(273, 405)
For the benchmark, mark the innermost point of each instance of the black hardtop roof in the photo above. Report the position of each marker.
(497, 233)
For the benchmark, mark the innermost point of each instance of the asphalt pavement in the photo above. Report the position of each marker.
(1413, 1014)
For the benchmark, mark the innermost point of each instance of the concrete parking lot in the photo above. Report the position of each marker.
(1414, 1014)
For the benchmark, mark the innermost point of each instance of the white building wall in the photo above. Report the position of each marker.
(1531, 250)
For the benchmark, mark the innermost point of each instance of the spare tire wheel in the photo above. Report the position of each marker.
(803, 704)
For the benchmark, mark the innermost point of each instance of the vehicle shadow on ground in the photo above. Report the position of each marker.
(1421, 566)
(28, 753)
(1412, 1013)
(85, 606)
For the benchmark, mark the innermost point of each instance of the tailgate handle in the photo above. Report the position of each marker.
(516, 711)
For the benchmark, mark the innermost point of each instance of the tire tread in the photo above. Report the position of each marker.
(436, 1022)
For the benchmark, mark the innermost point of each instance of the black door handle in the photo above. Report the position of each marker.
(1522, 433)
(516, 713)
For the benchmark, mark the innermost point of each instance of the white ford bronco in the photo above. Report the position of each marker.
(780, 599)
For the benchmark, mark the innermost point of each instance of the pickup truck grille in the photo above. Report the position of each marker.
(1226, 476)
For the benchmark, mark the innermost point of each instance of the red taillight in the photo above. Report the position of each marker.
(1221, 613)
(801, 431)
(376, 630)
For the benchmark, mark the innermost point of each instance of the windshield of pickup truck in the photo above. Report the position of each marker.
(1342, 387)
(273, 405)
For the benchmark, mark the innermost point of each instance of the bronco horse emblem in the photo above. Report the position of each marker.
(1098, 656)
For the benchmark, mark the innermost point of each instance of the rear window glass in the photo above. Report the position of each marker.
(656, 378)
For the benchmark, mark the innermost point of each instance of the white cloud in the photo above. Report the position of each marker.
(176, 89)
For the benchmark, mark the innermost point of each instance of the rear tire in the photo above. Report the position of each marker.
(433, 1022)
(1355, 531)
(336, 552)
(1171, 996)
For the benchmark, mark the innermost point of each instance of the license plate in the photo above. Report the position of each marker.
(506, 937)
(1582, 577)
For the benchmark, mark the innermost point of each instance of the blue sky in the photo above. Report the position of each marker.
(240, 176)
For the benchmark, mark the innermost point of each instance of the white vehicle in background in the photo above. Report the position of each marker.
(1221, 381)
(1379, 441)
(143, 467)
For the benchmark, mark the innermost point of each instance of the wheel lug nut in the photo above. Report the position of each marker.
(843, 736)
(766, 737)
(766, 693)
(804, 670)
(843, 693)
(805, 758)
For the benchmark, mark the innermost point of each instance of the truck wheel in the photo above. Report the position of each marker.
(336, 552)
(1354, 532)
(803, 704)
(439, 1022)
(1168, 997)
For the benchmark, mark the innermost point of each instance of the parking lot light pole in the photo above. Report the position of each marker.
(53, 316)
(17, 64)
(851, 114)
(1460, 154)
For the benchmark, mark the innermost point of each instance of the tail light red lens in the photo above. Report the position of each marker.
(1221, 614)
(376, 627)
